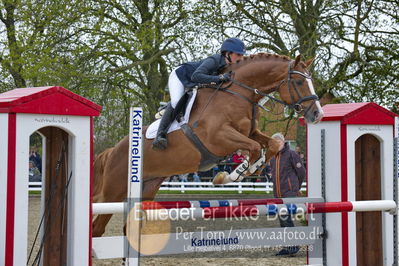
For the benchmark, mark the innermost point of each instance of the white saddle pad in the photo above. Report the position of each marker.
(153, 128)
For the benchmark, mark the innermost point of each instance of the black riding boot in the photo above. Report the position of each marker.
(161, 142)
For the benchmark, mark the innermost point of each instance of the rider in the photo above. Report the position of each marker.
(189, 75)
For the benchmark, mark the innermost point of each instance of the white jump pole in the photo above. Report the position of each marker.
(109, 208)
(355, 206)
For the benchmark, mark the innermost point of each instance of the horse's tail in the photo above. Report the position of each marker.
(99, 164)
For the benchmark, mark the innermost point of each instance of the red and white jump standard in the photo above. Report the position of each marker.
(359, 165)
(23, 112)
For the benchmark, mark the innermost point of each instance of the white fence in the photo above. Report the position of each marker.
(208, 186)
(201, 186)
(35, 186)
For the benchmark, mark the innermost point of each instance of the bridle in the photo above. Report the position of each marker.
(296, 106)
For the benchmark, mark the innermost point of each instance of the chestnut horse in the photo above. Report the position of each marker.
(224, 126)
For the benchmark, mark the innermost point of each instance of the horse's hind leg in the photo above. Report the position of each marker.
(99, 224)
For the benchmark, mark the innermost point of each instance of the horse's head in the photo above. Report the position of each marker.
(297, 91)
(263, 73)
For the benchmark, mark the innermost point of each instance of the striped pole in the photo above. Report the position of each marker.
(118, 207)
(149, 205)
(270, 210)
(353, 206)
(313, 204)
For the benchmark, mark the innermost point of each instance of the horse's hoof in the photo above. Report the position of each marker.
(220, 178)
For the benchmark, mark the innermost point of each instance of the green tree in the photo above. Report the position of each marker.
(39, 43)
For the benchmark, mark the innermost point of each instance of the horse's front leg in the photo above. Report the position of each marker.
(234, 140)
(229, 140)
(271, 146)
(267, 142)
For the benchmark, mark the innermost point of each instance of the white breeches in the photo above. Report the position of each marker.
(176, 88)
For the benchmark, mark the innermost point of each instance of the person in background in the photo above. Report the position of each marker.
(183, 177)
(267, 173)
(227, 164)
(215, 170)
(196, 177)
(34, 173)
(237, 158)
(287, 173)
(301, 155)
(35, 157)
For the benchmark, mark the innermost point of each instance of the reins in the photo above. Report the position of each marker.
(217, 88)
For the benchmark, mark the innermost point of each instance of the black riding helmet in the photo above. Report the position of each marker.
(233, 45)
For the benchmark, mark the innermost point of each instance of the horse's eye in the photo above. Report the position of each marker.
(299, 82)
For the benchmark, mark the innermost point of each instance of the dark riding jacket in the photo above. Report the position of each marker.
(288, 173)
(202, 72)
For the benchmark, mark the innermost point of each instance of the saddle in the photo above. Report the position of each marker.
(183, 110)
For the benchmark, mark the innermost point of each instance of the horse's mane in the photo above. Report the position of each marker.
(256, 57)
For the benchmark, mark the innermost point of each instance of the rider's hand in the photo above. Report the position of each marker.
(225, 77)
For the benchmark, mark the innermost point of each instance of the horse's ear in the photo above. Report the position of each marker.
(309, 62)
(297, 60)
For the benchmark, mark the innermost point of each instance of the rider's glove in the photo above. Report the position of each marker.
(225, 77)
